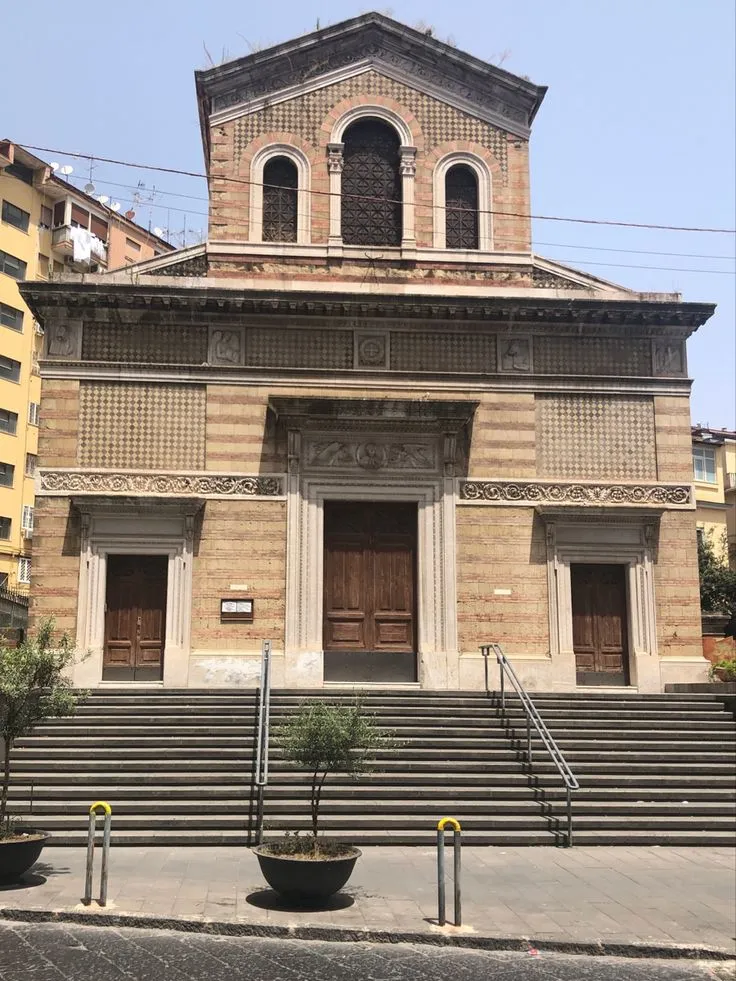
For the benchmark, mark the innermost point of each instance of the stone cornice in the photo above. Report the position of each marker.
(536, 493)
(189, 302)
(296, 379)
(67, 481)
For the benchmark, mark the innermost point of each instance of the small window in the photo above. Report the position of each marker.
(24, 571)
(47, 217)
(44, 265)
(59, 213)
(461, 208)
(80, 217)
(704, 464)
(31, 464)
(7, 473)
(3, 580)
(5, 525)
(9, 369)
(20, 171)
(27, 519)
(99, 228)
(12, 215)
(10, 317)
(132, 245)
(33, 412)
(280, 194)
(8, 421)
(58, 268)
(12, 266)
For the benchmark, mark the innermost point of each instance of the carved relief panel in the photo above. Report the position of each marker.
(64, 339)
(370, 454)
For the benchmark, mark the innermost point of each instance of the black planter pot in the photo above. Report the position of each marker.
(306, 880)
(16, 857)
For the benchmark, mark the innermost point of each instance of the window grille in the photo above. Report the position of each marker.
(461, 208)
(280, 200)
(371, 185)
(24, 571)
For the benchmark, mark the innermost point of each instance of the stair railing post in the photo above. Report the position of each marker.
(569, 817)
(528, 739)
(262, 737)
(91, 832)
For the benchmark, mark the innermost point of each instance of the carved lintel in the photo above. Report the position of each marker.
(370, 454)
(136, 484)
(530, 492)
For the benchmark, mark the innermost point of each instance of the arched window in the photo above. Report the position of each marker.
(461, 208)
(371, 185)
(280, 199)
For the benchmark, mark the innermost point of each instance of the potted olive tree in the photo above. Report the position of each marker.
(32, 688)
(324, 739)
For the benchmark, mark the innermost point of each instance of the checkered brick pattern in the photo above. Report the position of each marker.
(137, 426)
(595, 437)
(471, 353)
(306, 114)
(151, 343)
(299, 348)
(592, 356)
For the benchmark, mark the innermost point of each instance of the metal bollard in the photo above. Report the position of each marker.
(441, 919)
(107, 811)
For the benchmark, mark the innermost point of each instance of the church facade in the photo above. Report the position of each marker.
(365, 421)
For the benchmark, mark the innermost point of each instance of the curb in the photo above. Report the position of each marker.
(337, 934)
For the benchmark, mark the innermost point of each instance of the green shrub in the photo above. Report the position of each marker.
(727, 668)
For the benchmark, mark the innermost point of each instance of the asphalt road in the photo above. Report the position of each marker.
(62, 952)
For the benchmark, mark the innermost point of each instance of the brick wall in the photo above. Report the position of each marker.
(242, 542)
(501, 548)
(677, 586)
(59, 424)
(306, 122)
(55, 567)
(674, 443)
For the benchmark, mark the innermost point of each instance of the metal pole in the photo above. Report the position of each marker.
(105, 858)
(90, 858)
(569, 816)
(484, 652)
(528, 739)
(441, 876)
(503, 689)
(458, 892)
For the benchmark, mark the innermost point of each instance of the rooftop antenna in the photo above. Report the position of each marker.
(89, 187)
(115, 206)
(66, 170)
(54, 166)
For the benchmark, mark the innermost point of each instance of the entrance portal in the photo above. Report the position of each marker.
(135, 618)
(599, 624)
(369, 624)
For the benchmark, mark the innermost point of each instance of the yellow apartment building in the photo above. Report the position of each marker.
(47, 228)
(714, 472)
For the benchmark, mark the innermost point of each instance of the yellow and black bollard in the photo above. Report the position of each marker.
(455, 825)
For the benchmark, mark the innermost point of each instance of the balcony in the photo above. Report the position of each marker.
(730, 481)
(83, 247)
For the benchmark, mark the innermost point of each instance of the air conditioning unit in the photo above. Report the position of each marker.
(28, 532)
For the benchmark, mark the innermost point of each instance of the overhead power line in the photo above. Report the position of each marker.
(312, 191)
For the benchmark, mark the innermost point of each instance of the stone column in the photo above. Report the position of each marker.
(408, 165)
(334, 167)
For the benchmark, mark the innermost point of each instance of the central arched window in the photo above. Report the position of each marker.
(371, 184)
(280, 199)
(461, 208)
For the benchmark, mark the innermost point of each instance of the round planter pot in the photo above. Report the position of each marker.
(304, 880)
(16, 857)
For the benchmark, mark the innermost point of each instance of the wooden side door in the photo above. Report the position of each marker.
(135, 618)
(599, 619)
(369, 623)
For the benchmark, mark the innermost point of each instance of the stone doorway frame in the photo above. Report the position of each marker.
(134, 527)
(618, 539)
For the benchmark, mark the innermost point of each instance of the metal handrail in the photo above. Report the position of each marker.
(263, 736)
(533, 718)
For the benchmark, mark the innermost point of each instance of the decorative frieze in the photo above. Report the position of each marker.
(128, 482)
(370, 454)
(443, 352)
(153, 343)
(535, 492)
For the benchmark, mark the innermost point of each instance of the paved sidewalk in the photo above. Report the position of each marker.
(642, 896)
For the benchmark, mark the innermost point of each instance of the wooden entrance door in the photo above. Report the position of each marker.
(369, 623)
(135, 618)
(599, 624)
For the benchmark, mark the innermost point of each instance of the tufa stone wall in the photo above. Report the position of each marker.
(55, 566)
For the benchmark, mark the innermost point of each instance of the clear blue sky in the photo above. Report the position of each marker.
(638, 123)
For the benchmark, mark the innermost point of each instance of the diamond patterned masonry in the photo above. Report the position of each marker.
(164, 484)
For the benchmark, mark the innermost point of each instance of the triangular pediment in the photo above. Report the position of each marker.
(370, 42)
